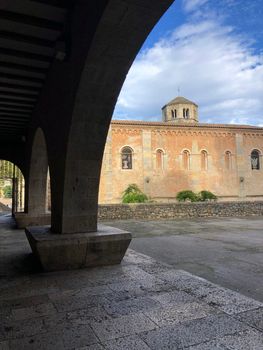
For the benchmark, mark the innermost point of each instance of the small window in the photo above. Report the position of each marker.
(175, 114)
(187, 113)
(126, 158)
(204, 160)
(186, 160)
(159, 159)
(184, 113)
(255, 160)
(228, 160)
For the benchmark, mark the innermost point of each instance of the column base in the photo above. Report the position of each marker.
(23, 220)
(57, 252)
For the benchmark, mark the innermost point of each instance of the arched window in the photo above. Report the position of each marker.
(126, 158)
(186, 160)
(228, 160)
(204, 160)
(172, 114)
(159, 159)
(175, 114)
(187, 113)
(184, 113)
(255, 160)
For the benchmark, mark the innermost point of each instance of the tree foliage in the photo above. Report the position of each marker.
(188, 195)
(133, 194)
(207, 196)
(7, 191)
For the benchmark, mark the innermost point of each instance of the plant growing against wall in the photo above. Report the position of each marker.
(133, 194)
(7, 191)
(207, 196)
(187, 195)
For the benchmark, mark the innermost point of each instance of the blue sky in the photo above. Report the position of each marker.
(213, 51)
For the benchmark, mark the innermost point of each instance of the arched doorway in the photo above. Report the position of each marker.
(12, 187)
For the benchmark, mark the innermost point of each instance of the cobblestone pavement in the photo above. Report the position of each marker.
(138, 305)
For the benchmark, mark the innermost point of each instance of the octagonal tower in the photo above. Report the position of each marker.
(180, 110)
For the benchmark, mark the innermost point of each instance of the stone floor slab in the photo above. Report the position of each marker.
(140, 304)
(127, 343)
(122, 326)
(179, 313)
(192, 332)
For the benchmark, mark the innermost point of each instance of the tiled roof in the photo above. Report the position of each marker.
(180, 100)
(185, 126)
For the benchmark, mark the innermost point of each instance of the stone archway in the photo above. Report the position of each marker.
(36, 185)
(76, 119)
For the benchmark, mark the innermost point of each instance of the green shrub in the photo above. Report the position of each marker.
(187, 195)
(7, 191)
(207, 195)
(133, 194)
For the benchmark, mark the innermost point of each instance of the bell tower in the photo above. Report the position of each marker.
(180, 110)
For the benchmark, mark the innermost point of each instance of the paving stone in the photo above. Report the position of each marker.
(4, 345)
(33, 311)
(155, 268)
(131, 305)
(23, 328)
(192, 332)
(230, 302)
(47, 341)
(132, 257)
(89, 314)
(138, 273)
(211, 345)
(127, 343)
(247, 340)
(26, 301)
(76, 335)
(179, 313)
(172, 298)
(254, 318)
(92, 347)
(122, 326)
(184, 281)
(75, 303)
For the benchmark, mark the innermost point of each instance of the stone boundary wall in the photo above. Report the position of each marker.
(151, 211)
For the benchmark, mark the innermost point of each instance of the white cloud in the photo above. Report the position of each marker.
(191, 5)
(212, 66)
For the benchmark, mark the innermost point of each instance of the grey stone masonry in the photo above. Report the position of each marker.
(154, 211)
(139, 305)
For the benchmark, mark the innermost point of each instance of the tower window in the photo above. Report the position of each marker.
(126, 158)
(228, 160)
(255, 160)
(159, 159)
(204, 160)
(186, 160)
(174, 114)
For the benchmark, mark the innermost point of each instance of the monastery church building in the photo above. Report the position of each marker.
(180, 153)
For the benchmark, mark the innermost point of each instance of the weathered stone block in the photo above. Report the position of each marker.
(107, 246)
(24, 220)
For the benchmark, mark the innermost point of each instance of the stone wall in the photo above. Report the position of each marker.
(153, 211)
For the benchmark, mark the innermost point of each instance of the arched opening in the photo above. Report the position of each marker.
(12, 187)
(186, 160)
(228, 160)
(39, 197)
(204, 160)
(159, 159)
(126, 158)
(255, 160)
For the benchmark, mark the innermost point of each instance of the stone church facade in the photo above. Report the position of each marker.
(180, 153)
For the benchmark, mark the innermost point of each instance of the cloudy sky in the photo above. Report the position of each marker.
(212, 53)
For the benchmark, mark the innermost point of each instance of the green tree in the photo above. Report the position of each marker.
(187, 195)
(7, 191)
(133, 194)
(207, 195)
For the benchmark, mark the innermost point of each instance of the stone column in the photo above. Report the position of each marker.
(36, 186)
